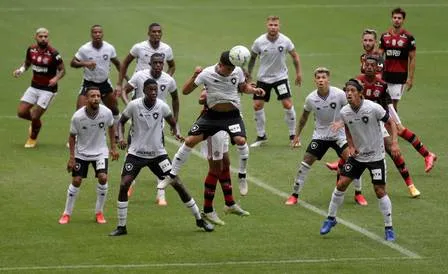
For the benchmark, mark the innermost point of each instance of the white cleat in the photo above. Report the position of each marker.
(244, 188)
(236, 209)
(213, 218)
(259, 141)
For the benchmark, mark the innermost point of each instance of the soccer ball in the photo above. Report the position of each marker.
(239, 55)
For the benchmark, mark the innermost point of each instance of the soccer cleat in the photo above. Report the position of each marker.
(259, 141)
(244, 188)
(206, 226)
(120, 230)
(430, 159)
(333, 165)
(292, 200)
(30, 143)
(235, 209)
(389, 234)
(327, 225)
(65, 219)
(413, 191)
(213, 218)
(360, 200)
(100, 218)
(165, 182)
(161, 201)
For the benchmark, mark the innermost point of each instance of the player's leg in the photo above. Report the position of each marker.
(395, 91)
(24, 110)
(284, 95)
(259, 114)
(341, 149)
(80, 171)
(101, 168)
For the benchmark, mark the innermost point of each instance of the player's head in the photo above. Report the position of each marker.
(353, 91)
(370, 65)
(155, 32)
(41, 37)
(156, 63)
(368, 39)
(96, 32)
(150, 90)
(225, 67)
(398, 16)
(93, 95)
(322, 77)
(273, 25)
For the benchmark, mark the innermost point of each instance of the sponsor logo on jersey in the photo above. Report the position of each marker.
(393, 52)
(39, 68)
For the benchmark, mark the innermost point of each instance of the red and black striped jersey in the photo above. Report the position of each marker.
(44, 63)
(396, 50)
(375, 90)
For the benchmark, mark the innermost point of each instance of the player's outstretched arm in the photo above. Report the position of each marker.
(189, 85)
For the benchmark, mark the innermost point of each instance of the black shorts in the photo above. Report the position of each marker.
(81, 167)
(318, 148)
(213, 121)
(281, 88)
(104, 87)
(354, 169)
(160, 165)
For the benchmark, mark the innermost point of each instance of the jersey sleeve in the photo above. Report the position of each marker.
(385, 99)
(199, 79)
(133, 81)
(307, 106)
(411, 46)
(169, 56)
(255, 48)
(57, 57)
(79, 55)
(27, 55)
(127, 112)
(134, 51)
(172, 86)
(74, 126)
(113, 52)
(380, 112)
(166, 111)
(241, 76)
(110, 118)
(290, 45)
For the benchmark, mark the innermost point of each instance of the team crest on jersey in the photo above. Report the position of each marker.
(77, 167)
(128, 166)
(194, 128)
(233, 80)
(348, 167)
(101, 125)
(400, 43)
(162, 87)
(333, 105)
(155, 115)
(45, 60)
(365, 119)
(105, 56)
(280, 48)
(314, 145)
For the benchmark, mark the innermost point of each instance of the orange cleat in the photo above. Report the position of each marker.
(292, 200)
(100, 218)
(360, 200)
(65, 219)
(429, 161)
(333, 165)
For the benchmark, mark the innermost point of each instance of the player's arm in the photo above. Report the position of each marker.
(390, 125)
(173, 125)
(124, 95)
(250, 66)
(411, 70)
(297, 66)
(124, 69)
(122, 143)
(71, 147)
(295, 143)
(76, 63)
(175, 104)
(117, 65)
(113, 144)
(59, 74)
(171, 67)
(189, 85)
(352, 151)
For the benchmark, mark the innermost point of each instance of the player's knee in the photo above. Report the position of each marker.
(258, 105)
(380, 190)
(76, 181)
(102, 178)
(287, 104)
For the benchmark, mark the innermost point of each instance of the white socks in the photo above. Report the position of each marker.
(194, 208)
(180, 158)
(300, 177)
(357, 184)
(337, 198)
(243, 151)
(260, 121)
(386, 208)
(72, 192)
(290, 119)
(122, 210)
(101, 195)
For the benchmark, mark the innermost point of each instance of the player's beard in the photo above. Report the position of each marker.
(42, 44)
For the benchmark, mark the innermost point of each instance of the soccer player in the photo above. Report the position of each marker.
(147, 150)
(166, 84)
(362, 119)
(87, 144)
(272, 47)
(48, 68)
(95, 58)
(216, 150)
(142, 53)
(326, 102)
(398, 47)
(222, 81)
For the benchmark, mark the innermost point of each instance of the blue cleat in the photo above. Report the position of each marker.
(389, 234)
(326, 227)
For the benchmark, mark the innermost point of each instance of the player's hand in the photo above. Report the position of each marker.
(298, 80)
(197, 70)
(53, 82)
(395, 150)
(70, 165)
(122, 144)
(90, 65)
(16, 73)
(259, 92)
(352, 152)
(408, 85)
(114, 154)
(336, 125)
(118, 90)
(295, 143)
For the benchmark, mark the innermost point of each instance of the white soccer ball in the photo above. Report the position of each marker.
(239, 56)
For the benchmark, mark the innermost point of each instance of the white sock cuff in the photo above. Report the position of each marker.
(190, 203)
(305, 165)
(122, 205)
(73, 189)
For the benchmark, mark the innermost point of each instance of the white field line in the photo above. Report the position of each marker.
(199, 264)
(318, 211)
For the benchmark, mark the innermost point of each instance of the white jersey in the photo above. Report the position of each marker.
(221, 89)
(90, 133)
(272, 57)
(143, 51)
(101, 57)
(326, 110)
(166, 84)
(365, 127)
(147, 128)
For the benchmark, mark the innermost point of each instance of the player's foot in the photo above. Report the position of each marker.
(161, 201)
(430, 159)
(333, 165)
(165, 182)
(244, 188)
(236, 209)
(213, 218)
(259, 141)
(291, 139)
(389, 234)
(65, 219)
(100, 218)
(292, 200)
(206, 226)
(360, 200)
(120, 230)
(30, 143)
(413, 191)
(327, 225)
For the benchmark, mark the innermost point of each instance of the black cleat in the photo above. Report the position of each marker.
(120, 230)
(206, 226)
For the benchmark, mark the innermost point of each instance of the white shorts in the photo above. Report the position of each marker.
(384, 130)
(214, 147)
(394, 115)
(395, 90)
(38, 97)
